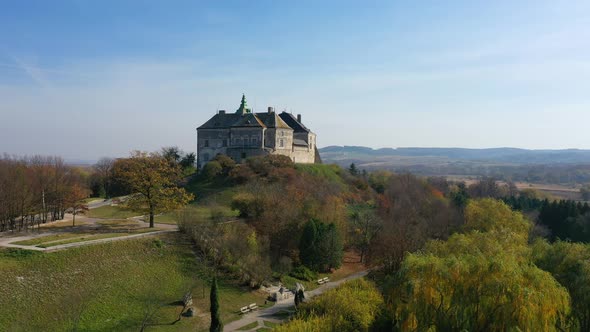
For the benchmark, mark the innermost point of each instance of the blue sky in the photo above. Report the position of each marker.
(85, 79)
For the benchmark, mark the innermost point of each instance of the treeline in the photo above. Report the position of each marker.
(35, 190)
(565, 219)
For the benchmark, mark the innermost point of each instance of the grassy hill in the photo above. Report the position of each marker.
(111, 287)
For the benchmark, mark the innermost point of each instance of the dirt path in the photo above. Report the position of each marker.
(268, 314)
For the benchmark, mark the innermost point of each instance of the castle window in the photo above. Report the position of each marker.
(282, 133)
(206, 143)
(281, 143)
(254, 141)
(224, 143)
(243, 155)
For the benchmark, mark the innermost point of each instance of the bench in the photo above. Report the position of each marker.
(323, 280)
(253, 306)
(244, 310)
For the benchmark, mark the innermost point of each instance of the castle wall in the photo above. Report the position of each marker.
(211, 142)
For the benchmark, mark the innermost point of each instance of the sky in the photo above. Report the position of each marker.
(87, 79)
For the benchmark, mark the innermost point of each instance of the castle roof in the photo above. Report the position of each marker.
(292, 122)
(244, 117)
(272, 120)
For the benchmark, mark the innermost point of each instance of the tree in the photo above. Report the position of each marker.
(482, 280)
(154, 182)
(104, 169)
(216, 324)
(307, 245)
(188, 160)
(353, 170)
(75, 201)
(172, 154)
(321, 246)
(569, 263)
(366, 225)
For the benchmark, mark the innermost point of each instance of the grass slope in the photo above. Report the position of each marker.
(110, 287)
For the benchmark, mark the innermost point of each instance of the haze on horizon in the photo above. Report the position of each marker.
(85, 80)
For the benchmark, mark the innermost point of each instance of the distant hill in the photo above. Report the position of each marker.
(536, 166)
(494, 155)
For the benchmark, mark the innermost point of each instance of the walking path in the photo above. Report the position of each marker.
(268, 314)
(7, 239)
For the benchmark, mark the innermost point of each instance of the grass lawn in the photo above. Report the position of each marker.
(91, 237)
(111, 212)
(110, 286)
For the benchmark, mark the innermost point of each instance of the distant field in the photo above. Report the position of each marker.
(109, 287)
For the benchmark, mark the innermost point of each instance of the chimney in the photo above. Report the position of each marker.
(271, 109)
(221, 111)
(299, 118)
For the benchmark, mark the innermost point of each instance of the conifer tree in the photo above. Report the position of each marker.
(216, 324)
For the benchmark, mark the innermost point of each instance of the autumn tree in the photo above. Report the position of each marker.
(481, 280)
(569, 263)
(154, 182)
(74, 201)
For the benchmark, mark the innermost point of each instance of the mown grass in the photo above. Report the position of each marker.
(111, 212)
(109, 287)
(92, 237)
(48, 238)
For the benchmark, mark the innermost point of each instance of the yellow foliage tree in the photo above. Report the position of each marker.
(154, 183)
(482, 280)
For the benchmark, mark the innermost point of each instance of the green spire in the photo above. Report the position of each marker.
(243, 106)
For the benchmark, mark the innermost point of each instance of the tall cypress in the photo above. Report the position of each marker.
(216, 324)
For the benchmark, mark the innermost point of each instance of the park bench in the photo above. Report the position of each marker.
(323, 280)
(253, 306)
(244, 310)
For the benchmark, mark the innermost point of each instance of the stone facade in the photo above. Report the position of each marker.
(244, 134)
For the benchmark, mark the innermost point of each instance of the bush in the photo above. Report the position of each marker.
(303, 273)
(351, 307)
(212, 169)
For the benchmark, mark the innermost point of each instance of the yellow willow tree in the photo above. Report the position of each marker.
(153, 180)
(482, 280)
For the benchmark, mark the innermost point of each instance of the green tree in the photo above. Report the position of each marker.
(216, 324)
(154, 183)
(307, 245)
(569, 263)
(321, 246)
(353, 170)
(481, 280)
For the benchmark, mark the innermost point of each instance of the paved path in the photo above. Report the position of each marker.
(267, 314)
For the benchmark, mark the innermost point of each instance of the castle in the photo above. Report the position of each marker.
(244, 134)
